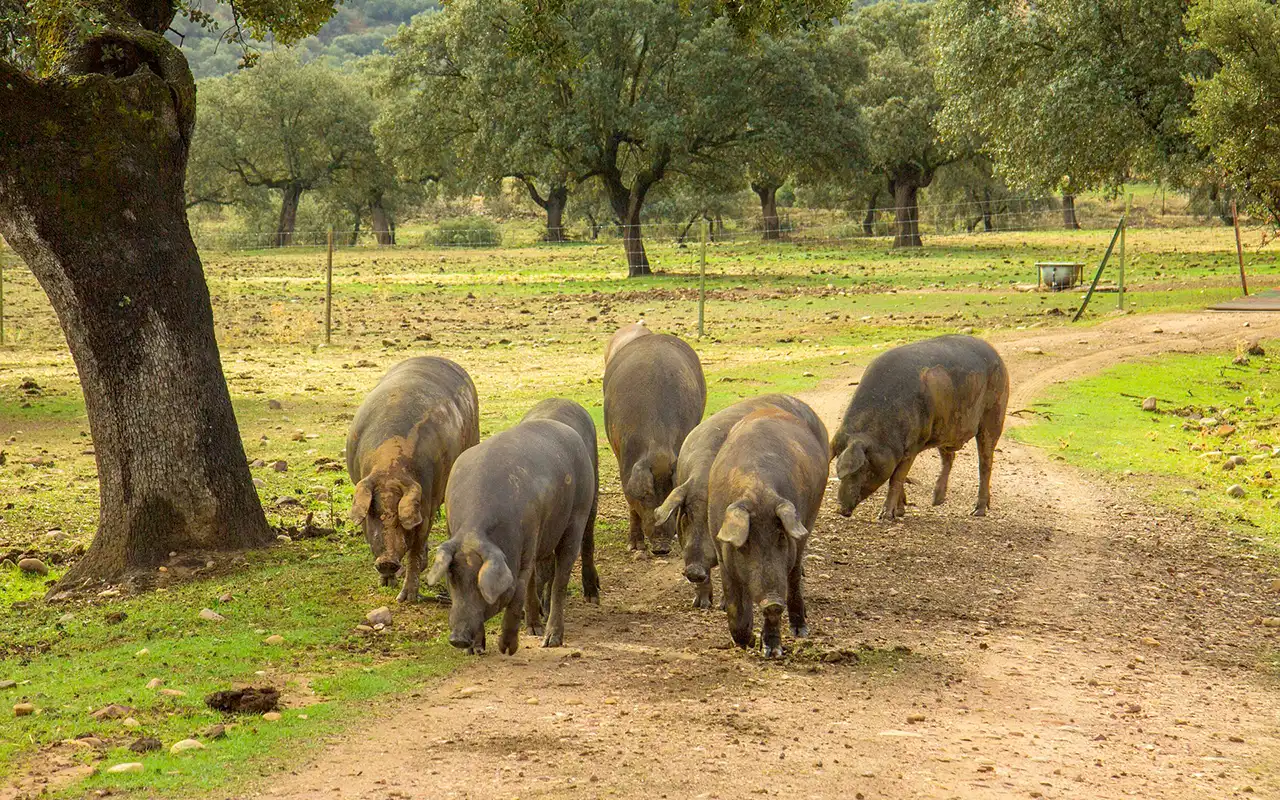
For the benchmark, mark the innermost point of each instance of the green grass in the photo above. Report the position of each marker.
(1098, 423)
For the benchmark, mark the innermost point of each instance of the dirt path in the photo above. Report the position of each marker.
(1074, 644)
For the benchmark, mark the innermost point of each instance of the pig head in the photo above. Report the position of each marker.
(480, 585)
(389, 506)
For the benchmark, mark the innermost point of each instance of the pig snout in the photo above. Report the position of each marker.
(772, 606)
(387, 567)
(474, 645)
(695, 573)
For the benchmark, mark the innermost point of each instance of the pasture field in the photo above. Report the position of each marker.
(528, 323)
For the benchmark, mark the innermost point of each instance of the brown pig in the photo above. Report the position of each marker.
(654, 394)
(763, 496)
(576, 417)
(689, 499)
(403, 441)
(940, 393)
(624, 336)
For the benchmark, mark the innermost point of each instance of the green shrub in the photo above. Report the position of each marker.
(465, 232)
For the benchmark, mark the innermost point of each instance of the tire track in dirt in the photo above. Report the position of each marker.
(1074, 644)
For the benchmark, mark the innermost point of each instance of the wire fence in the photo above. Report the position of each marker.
(794, 226)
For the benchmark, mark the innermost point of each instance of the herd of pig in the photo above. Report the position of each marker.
(740, 490)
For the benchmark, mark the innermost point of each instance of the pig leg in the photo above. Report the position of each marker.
(635, 537)
(986, 454)
(533, 607)
(702, 594)
(940, 488)
(795, 602)
(417, 555)
(895, 500)
(771, 639)
(566, 554)
(509, 640)
(590, 578)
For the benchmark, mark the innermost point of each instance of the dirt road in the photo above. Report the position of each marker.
(1076, 643)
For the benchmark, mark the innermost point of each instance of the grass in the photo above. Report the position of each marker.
(527, 322)
(1098, 423)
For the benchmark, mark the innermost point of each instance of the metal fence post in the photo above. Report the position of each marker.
(702, 277)
(328, 293)
(1, 301)
(1124, 227)
(1235, 220)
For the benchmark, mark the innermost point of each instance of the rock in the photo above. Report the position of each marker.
(1150, 641)
(10, 684)
(1235, 490)
(1157, 330)
(468, 691)
(1255, 349)
(210, 615)
(272, 716)
(533, 701)
(298, 435)
(112, 711)
(914, 718)
(275, 405)
(1271, 622)
(1228, 465)
(274, 639)
(259, 483)
(145, 744)
(116, 617)
(1208, 422)
(362, 628)
(143, 652)
(1273, 587)
(250, 700)
(129, 767)
(1150, 404)
(33, 566)
(226, 598)
(155, 683)
(130, 723)
(172, 693)
(215, 731)
(1212, 455)
(1235, 739)
(185, 745)
(285, 501)
(1241, 360)
(966, 330)
(379, 616)
(54, 538)
(1034, 351)
(283, 539)
(280, 466)
(24, 710)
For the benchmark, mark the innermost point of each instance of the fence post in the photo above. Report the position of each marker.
(1098, 275)
(1124, 227)
(702, 277)
(1, 301)
(1235, 220)
(328, 292)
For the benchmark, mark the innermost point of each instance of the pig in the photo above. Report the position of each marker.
(654, 394)
(763, 495)
(520, 498)
(576, 417)
(689, 499)
(940, 393)
(402, 443)
(623, 336)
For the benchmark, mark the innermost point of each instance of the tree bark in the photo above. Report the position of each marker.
(869, 222)
(291, 196)
(384, 226)
(627, 204)
(769, 210)
(91, 197)
(1069, 212)
(907, 210)
(988, 224)
(557, 199)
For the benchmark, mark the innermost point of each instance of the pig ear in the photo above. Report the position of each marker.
(736, 526)
(444, 557)
(672, 504)
(360, 503)
(851, 460)
(790, 521)
(409, 510)
(838, 443)
(495, 576)
(640, 482)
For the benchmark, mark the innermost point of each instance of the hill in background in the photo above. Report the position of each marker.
(358, 28)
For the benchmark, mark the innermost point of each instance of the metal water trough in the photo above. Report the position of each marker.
(1060, 275)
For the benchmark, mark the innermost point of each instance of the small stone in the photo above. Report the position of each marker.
(1150, 404)
(112, 711)
(280, 466)
(272, 716)
(966, 330)
(130, 723)
(274, 639)
(283, 539)
(1157, 330)
(1256, 349)
(1271, 622)
(173, 693)
(1235, 739)
(155, 683)
(215, 731)
(914, 718)
(1228, 465)
(24, 710)
(130, 767)
(145, 744)
(143, 652)
(611, 701)
(1273, 586)
(379, 616)
(7, 685)
(210, 615)
(1034, 351)
(226, 598)
(259, 483)
(531, 701)
(55, 538)
(1150, 641)
(275, 405)
(1240, 360)
(1235, 490)
(1208, 422)
(362, 628)
(33, 566)
(468, 691)
(185, 745)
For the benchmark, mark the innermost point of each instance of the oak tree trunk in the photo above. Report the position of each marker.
(869, 222)
(291, 196)
(627, 205)
(384, 226)
(769, 210)
(91, 197)
(1069, 220)
(907, 210)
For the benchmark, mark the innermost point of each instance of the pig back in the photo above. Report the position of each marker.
(622, 337)
(573, 415)
(704, 442)
(424, 406)
(654, 394)
(771, 451)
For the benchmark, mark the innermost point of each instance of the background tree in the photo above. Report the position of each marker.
(1068, 96)
(285, 126)
(901, 102)
(96, 115)
(1237, 109)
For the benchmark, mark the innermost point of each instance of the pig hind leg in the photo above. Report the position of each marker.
(566, 554)
(590, 578)
(895, 501)
(988, 434)
(635, 536)
(940, 488)
(520, 602)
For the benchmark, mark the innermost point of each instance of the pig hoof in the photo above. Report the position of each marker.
(508, 648)
(702, 602)
(980, 511)
(405, 597)
(846, 514)
(939, 499)
(477, 650)
(800, 631)
(553, 640)
(772, 652)
(536, 630)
